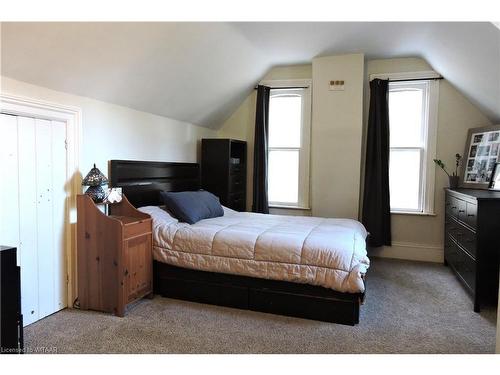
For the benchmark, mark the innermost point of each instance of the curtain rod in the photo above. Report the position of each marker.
(390, 80)
(414, 79)
(286, 88)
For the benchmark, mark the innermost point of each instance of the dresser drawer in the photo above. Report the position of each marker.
(462, 235)
(236, 183)
(467, 239)
(138, 228)
(461, 209)
(236, 169)
(452, 206)
(451, 226)
(471, 214)
(462, 263)
(237, 201)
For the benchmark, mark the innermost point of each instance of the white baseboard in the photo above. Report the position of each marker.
(409, 251)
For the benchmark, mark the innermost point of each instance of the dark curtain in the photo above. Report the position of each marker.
(260, 202)
(376, 203)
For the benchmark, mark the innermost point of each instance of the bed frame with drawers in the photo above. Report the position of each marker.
(141, 182)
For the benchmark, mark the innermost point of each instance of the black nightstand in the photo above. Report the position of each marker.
(11, 332)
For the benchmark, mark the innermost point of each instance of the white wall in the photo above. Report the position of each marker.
(337, 126)
(114, 132)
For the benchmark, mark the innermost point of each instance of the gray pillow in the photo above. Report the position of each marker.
(192, 206)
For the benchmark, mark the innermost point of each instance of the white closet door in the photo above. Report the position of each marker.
(33, 207)
(45, 225)
(28, 244)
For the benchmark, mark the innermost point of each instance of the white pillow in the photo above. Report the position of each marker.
(228, 211)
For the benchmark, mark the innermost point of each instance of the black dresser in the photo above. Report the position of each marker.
(11, 334)
(224, 171)
(472, 241)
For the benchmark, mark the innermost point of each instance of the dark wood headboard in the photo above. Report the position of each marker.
(142, 181)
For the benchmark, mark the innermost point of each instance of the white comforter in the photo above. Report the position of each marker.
(318, 251)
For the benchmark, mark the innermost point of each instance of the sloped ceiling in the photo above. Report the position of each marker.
(200, 72)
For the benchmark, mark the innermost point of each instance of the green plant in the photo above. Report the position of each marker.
(441, 165)
(458, 158)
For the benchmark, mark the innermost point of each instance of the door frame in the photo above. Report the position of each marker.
(72, 116)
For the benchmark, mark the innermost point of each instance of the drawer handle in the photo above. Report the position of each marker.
(461, 210)
(453, 207)
(471, 215)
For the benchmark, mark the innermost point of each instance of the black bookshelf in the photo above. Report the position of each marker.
(224, 170)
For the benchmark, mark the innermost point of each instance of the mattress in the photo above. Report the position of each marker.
(318, 251)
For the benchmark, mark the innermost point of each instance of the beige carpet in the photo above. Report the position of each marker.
(410, 308)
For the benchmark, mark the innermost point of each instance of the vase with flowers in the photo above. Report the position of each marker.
(453, 178)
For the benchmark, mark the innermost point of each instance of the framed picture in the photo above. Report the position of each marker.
(482, 149)
(495, 178)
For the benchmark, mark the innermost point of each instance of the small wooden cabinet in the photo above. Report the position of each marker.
(472, 241)
(224, 171)
(115, 263)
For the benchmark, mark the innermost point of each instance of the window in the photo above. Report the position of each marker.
(412, 118)
(288, 148)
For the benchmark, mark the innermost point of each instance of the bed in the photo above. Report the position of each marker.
(299, 266)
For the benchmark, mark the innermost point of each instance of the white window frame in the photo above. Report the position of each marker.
(305, 139)
(428, 149)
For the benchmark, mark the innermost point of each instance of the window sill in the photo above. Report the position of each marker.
(410, 213)
(289, 207)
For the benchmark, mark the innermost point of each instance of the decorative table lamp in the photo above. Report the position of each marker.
(94, 180)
